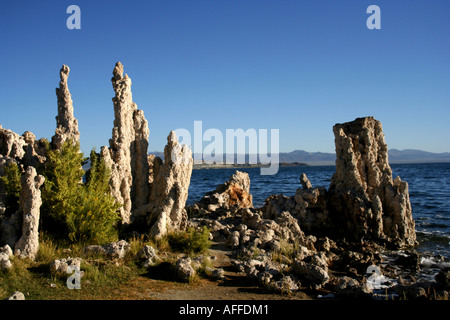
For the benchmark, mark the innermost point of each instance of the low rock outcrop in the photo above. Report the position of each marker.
(350, 288)
(233, 194)
(184, 269)
(114, 250)
(5, 255)
(147, 256)
(309, 205)
(64, 265)
(322, 239)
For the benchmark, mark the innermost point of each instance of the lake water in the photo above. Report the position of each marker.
(429, 190)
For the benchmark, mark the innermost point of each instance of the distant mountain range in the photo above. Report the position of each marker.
(416, 156)
(323, 158)
(395, 156)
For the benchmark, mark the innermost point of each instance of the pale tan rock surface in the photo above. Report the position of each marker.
(171, 179)
(30, 203)
(11, 144)
(234, 193)
(363, 202)
(127, 154)
(66, 123)
(364, 198)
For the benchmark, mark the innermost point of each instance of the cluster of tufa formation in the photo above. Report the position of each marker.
(19, 229)
(319, 238)
(30, 203)
(317, 230)
(152, 192)
(363, 202)
(127, 154)
(171, 179)
(66, 123)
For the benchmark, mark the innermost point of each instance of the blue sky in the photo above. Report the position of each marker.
(297, 66)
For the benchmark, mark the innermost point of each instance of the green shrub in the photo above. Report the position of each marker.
(190, 241)
(12, 186)
(82, 212)
(96, 217)
(61, 190)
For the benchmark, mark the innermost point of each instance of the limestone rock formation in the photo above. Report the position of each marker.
(114, 250)
(30, 203)
(35, 150)
(347, 287)
(309, 205)
(64, 265)
(127, 155)
(5, 255)
(17, 295)
(66, 123)
(11, 144)
(147, 256)
(233, 193)
(306, 184)
(184, 269)
(311, 274)
(171, 179)
(365, 201)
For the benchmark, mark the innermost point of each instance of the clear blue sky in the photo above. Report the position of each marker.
(297, 66)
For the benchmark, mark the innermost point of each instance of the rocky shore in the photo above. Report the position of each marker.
(354, 239)
(274, 251)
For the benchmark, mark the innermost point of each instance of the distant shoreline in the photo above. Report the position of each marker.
(246, 165)
(325, 159)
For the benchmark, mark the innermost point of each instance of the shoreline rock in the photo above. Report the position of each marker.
(364, 199)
